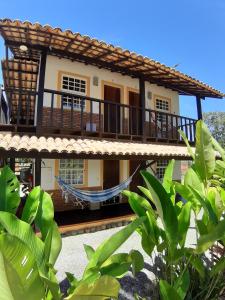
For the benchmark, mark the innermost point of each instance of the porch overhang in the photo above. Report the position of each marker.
(14, 145)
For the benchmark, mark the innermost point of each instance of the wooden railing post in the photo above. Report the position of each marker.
(142, 102)
(199, 107)
(41, 85)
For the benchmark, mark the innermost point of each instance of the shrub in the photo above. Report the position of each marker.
(184, 273)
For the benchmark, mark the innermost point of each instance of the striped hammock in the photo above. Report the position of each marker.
(83, 196)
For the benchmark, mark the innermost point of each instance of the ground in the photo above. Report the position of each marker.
(73, 259)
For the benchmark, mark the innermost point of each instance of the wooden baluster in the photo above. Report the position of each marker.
(123, 120)
(71, 113)
(116, 120)
(100, 118)
(177, 127)
(137, 119)
(82, 117)
(52, 107)
(156, 125)
(131, 120)
(190, 129)
(109, 107)
(19, 107)
(167, 127)
(61, 112)
(91, 115)
(186, 128)
(28, 107)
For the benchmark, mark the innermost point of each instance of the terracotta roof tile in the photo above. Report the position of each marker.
(49, 145)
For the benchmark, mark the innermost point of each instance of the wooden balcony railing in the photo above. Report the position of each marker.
(72, 114)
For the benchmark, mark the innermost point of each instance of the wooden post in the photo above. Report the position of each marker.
(12, 163)
(37, 171)
(41, 85)
(142, 102)
(199, 107)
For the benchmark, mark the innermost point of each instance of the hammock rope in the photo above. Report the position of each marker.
(81, 197)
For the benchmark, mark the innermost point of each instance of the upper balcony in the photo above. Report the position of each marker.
(73, 115)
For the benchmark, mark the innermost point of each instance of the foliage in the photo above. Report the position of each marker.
(216, 124)
(27, 260)
(184, 272)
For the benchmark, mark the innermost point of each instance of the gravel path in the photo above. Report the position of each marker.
(73, 259)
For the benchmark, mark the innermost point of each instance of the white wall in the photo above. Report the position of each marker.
(55, 64)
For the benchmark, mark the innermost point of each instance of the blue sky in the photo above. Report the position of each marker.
(185, 32)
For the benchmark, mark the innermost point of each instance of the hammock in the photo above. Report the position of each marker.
(82, 196)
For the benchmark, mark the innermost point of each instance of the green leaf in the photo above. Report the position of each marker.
(206, 241)
(45, 214)
(218, 148)
(9, 191)
(108, 247)
(117, 265)
(218, 267)
(206, 206)
(72, 281)
(164, 206)
(24, 232)
(137, 261)
(204, 153)
(52, 284)
(182, 284)
(167, 292)
(53, 244)
(168, 176)
(89, 251)
(104, 288)
(147, 243)
(197, 263)
(187, 194)
(31, 205)
(190, 151)
(138, 204)
(184, 222)
(18, 271)
(192, 179)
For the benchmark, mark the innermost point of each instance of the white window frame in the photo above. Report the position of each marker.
(160, 168)
(75, 100)
(72, 170)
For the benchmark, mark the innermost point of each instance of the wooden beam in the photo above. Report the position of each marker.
(41, 87)
(12, 163)
(199, 107)
(37, 171)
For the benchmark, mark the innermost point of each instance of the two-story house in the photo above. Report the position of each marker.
(88, 111)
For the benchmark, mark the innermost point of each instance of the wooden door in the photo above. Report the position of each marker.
(111, 111)
(137, 179)
(111, 173)
(135, 114)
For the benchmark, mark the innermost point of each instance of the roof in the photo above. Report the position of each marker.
(55, 147)
(82, 48)
(21, 75)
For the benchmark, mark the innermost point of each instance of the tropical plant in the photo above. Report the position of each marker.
(27, 259)
(184, 272)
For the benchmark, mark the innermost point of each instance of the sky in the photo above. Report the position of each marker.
(190, 33)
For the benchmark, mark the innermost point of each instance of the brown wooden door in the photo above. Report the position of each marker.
(111, 173)
(137, 179)
(111, 111)
(134, 114)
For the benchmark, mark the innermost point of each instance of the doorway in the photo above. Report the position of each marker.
(111, 178)
(112, 111)
(137, 178)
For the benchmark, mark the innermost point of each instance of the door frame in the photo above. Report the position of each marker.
(111, 84)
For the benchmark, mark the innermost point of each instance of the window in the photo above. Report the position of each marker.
(76, 86)
(160, 168)
(72, 171)
(162, 104)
